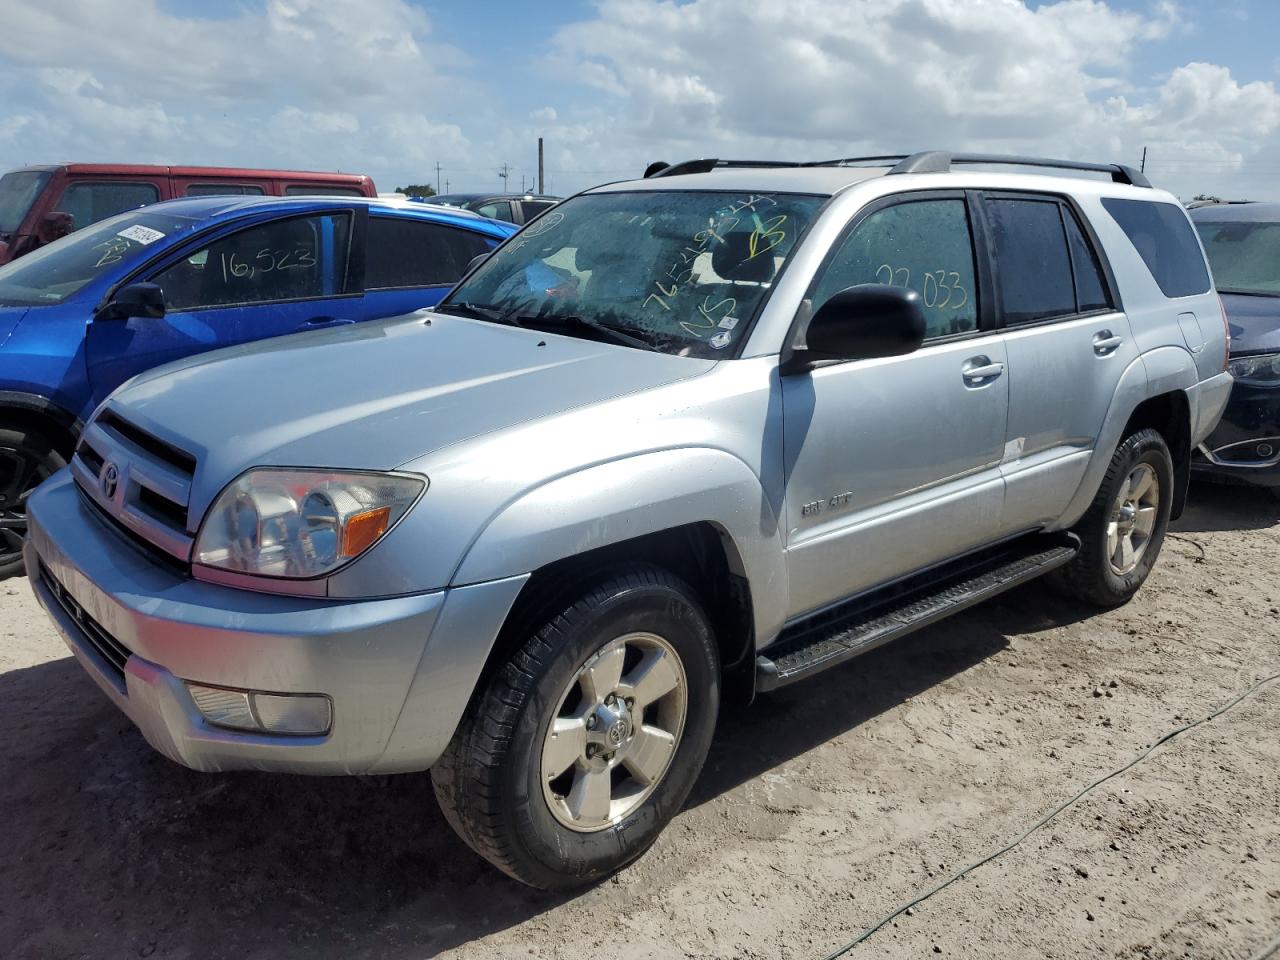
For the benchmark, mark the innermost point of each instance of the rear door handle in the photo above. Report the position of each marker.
(314, 323)
(1105, 343)
(979, 371)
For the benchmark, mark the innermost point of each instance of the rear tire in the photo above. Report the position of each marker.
(587, 741)
(1123, 529)
(27, 458)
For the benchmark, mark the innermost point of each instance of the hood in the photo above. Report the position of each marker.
(377, 394)
(9, 319)
(1254, 322)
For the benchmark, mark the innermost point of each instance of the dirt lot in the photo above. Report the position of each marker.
(821, 808)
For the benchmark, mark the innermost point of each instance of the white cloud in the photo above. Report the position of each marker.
(369, 85)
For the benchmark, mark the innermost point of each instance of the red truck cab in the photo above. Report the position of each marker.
(41, 203)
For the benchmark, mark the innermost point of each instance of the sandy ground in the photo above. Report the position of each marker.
(821, 808)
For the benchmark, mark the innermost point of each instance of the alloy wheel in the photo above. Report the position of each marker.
(1133, 519)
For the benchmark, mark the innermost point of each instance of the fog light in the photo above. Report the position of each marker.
(298, 715)
(306, 714)
(226, 708)
(1265, 450)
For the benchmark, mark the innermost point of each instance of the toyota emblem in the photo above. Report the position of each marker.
(110, 480)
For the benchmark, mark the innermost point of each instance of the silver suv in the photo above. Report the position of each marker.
(693, 436)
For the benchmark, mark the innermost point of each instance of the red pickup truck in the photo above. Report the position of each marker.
(41, 203)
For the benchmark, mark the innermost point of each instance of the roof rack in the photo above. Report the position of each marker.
(939, 161)
(929, 161)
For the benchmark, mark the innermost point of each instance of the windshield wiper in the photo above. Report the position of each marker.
(478, 312)
(609, 333)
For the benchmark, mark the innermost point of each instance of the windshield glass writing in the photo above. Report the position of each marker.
(1243, 255)
(684, 271)
(56, 271)
(18, 190)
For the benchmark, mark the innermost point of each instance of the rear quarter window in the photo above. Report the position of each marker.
(1163, 237)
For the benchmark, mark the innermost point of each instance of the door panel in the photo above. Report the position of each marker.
(269, 279)
(892, 465)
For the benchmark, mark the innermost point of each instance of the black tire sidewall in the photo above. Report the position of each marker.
(35, 446)
(1145, 447)
(565, 857)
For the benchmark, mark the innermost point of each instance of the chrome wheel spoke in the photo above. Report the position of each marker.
(653, 678)
(591, 797)
(1145, 521)
(566, 744)
(603, 675)
(650, 752)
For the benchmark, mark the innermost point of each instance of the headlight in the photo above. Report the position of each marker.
(1262, 370)
(299, 524)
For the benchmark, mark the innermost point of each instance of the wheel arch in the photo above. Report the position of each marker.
(35, 412)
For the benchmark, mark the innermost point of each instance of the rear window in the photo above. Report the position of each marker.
(1163, 237)
(18, 191)
(1032, 262)
(411, 253)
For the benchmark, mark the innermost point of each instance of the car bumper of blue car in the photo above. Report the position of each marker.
(396, 672)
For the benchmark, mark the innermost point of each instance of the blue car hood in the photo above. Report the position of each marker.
(1254, 322)
(9, 317)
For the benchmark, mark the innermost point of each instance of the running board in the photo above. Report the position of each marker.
(862, 624)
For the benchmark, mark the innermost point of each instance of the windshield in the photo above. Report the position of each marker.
(56, 271)
(18, 190)
(1245, 255)
(682, 272)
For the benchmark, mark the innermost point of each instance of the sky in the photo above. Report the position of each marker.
(392, 88)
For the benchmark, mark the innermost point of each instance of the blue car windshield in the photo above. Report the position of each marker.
(1244, 255)
(682, 272)
(58, 270)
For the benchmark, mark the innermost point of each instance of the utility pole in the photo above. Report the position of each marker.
(1143, 168)
(446, 186)
(540, 190)
(437, 176)
(505, 174)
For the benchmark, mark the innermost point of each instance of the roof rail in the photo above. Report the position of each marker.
(708, 164)
(939, 161)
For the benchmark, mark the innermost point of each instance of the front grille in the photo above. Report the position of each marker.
(139, 482)
(112, 651)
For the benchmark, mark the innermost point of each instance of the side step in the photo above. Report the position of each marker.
(866, 622)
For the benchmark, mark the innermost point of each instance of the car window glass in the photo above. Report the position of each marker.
(498, 211)
(1033, 268)
(18, 190)
(534, 207)
(1164, 239)
(925, 245)
(1091, 291)
(90, 202)
(223, 190)
(414, 253)
(303, 190)
(1244, 255)
(298, 258)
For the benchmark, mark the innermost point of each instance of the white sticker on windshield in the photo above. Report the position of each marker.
(728, 323)
(720, 340)
(141, 234)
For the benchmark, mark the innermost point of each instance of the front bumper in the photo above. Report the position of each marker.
(399, 670)
(1245, 445)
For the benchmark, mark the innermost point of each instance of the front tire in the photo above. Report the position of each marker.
(27, 458)
(1123, 530)
(586, 743)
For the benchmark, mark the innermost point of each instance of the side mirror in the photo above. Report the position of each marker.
(135, 300)
(53, 226)
(862, 323)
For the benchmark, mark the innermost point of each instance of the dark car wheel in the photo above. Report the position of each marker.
(26, 459)
(1124, 528)
(587, 741)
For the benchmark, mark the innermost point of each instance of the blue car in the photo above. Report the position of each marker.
(86, 313)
